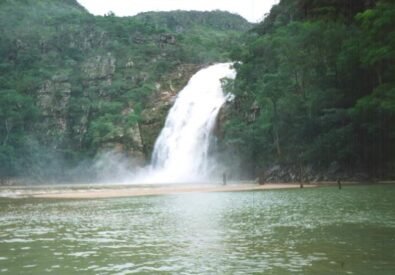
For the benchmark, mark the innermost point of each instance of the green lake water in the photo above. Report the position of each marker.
(300, 231)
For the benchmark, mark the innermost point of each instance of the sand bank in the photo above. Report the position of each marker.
(146, 190)
(94, 191)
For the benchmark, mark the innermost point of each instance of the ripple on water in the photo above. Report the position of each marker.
(295, 231)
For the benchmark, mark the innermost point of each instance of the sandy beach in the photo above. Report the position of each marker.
(114, 191)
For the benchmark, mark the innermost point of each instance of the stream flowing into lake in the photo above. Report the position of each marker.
(182, 150)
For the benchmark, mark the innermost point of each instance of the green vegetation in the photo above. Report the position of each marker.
(316, 88)
(72, 84)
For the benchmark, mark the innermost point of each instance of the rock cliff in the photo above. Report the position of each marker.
(94, 84)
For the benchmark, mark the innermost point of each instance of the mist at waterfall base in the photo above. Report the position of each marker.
(183, 152)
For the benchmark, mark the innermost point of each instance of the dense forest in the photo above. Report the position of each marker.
(315, 92)
(73, 85)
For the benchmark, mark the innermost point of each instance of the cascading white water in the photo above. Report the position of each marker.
(181, 152)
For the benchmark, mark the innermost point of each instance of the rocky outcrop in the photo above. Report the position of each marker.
(307, 173)
(167, 39)
(53, 99)
(99, 67)
(127, 141)
(134, 140)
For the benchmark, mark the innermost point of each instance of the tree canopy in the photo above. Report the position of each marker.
(321, 74)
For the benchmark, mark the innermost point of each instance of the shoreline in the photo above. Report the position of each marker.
(99, 191)
(108, 190)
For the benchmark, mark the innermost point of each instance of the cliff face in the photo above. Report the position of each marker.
(135, 140)
(96, 83)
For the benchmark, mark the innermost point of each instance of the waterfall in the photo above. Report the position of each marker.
(181, 152)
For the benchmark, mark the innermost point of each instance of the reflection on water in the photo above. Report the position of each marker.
(307, 231)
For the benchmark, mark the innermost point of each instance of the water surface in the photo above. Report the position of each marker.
(309, 231)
